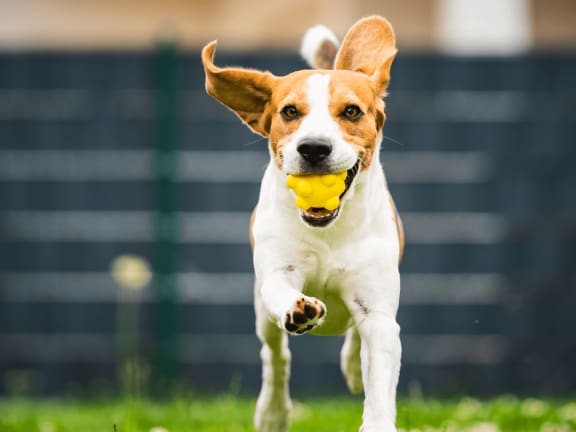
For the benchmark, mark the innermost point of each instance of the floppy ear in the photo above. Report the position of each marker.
(369, 47)
(246, 92)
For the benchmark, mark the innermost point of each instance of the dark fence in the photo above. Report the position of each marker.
(480, 156)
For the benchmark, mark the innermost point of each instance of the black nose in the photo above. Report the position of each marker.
(314, 150)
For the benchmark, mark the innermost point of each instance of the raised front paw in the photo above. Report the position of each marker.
(306, 314)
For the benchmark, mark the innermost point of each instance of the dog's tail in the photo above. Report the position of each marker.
(319, 47)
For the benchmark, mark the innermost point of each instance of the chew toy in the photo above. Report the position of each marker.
(317, 191)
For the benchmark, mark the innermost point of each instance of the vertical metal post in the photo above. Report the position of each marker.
(165, 255)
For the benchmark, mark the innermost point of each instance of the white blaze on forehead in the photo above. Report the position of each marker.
(318, 91)
(319, 123)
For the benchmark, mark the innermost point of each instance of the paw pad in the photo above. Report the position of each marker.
(304, 316)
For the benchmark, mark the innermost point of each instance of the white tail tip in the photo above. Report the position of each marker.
(319, 47)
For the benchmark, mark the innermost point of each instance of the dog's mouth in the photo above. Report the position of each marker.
(321, 217)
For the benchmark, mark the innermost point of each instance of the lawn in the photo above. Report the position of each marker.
(231, 414)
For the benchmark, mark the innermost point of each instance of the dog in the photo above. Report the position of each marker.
(320, 271)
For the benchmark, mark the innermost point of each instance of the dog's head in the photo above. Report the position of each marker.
(317, 121)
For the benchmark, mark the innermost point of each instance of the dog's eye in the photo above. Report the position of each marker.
(352, 112)
(289, 112)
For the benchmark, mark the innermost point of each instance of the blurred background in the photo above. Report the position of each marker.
(125, 195)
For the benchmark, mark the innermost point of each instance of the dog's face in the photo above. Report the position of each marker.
(317, 121)
(324, 122)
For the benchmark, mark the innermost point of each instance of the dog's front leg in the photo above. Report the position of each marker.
(374, 303)
(273, 406)
(281, 296)
(280, 307)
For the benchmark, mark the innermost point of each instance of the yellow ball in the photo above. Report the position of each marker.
(318, 191)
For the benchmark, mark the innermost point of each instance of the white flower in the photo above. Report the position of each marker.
(47, 426)
(468, 408)
(554, 427)
(568, 412)
(533, 408)
(484, 427)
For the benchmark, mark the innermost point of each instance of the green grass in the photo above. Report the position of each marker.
(231, 414)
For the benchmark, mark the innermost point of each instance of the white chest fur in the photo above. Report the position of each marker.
(326, 261)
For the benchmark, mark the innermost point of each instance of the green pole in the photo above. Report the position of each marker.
(165, 255)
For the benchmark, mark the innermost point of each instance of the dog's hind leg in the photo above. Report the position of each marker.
(273, 406)
(350, 363)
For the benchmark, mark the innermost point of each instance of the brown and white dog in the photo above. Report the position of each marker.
(318, 271)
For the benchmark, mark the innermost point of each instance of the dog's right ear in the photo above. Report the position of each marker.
(246, 92)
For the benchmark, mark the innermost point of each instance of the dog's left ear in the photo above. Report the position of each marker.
(246, 92)
(369, 47)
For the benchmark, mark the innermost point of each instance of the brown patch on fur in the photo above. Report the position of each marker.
(325, 55)
(361, 305)
(252, 219)
(399, 226)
